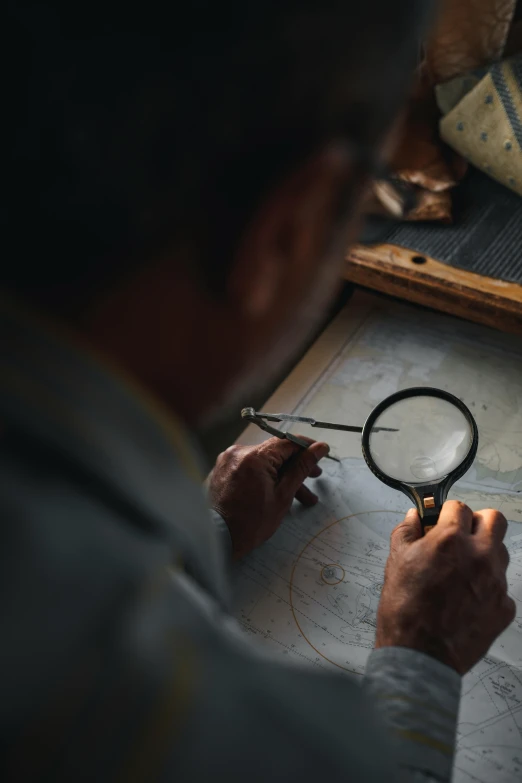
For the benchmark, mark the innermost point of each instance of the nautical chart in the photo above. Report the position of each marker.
(311, 593)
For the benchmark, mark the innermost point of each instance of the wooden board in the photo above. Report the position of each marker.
(408, 275)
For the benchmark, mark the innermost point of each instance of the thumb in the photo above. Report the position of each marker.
(299, 467)
(409, 530)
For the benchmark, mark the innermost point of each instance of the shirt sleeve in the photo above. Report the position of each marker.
(418, 699)
(223, 533)
(179, 693)
(118, 664)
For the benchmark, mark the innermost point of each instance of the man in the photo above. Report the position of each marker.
(180, 191)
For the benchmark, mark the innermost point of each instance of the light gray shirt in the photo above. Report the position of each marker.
(119, 659)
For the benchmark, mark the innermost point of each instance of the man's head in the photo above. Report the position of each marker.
(181, 182)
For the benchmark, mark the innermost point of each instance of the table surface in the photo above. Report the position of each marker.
(309, 596)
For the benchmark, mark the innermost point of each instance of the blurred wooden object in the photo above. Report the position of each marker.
(466, 34)
(417, 278)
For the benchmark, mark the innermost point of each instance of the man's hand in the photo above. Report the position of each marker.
(253, 487)
(445, 594)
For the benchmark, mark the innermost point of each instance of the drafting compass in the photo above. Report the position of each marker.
(419, 441)
(261, 419)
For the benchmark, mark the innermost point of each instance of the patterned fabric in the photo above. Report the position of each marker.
(483, 120)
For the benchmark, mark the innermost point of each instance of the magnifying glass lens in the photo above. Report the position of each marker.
(433, 438)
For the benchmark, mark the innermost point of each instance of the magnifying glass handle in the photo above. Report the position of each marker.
(429, 500)
(428, 521)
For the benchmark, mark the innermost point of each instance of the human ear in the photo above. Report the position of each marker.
(284, 244)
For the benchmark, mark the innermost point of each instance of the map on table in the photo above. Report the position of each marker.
(311, 593)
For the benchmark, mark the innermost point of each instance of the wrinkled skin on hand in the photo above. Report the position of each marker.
(445, 593)
(253, 487)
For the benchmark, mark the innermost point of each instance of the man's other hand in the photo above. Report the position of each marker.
(445, 594)
(252, 487)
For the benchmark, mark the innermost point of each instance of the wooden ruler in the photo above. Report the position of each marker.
(418, 278)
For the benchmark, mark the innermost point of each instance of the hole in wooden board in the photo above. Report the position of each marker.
(419, 260)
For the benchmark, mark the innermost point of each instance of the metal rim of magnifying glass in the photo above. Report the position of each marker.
(445, 482)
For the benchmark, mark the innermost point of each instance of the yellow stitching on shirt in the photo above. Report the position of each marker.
(422, 739)
(161, 728)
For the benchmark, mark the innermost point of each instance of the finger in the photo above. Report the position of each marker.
(491, 524)
(305, 496)
(299, 468)
(502, 582)
(231, 453)
(456, 514)
(279, 450)
(509, 610)
(316, 472)
(277, 442)
(304, 437)
(504, 557)
(407, 531)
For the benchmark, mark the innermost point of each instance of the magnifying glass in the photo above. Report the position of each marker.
(421, 441)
